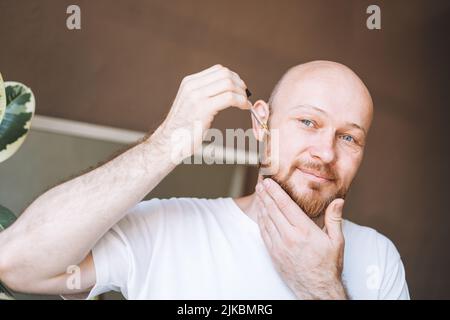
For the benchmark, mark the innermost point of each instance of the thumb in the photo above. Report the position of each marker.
(333, 219)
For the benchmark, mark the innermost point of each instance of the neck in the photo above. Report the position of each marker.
(248, 206)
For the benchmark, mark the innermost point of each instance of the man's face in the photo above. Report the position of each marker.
(322, 123)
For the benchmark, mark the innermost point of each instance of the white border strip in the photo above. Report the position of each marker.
(111, 134)
(84, 130)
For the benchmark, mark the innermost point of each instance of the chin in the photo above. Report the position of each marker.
(313, 198)
(311, 194)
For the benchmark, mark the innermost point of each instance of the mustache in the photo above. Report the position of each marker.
(318, 168)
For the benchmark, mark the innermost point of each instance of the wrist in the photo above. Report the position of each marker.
(337, 291)
(159, 147)
(332, 290)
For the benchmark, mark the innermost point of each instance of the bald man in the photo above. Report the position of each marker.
(287, 240)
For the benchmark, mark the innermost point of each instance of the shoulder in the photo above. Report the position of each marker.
(174, 203)
(177, 204)
(372, 264)
(170, 217)
(367, 251)
(366, 239)
(177, 208)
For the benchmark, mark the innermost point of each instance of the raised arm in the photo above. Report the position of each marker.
(60, 227)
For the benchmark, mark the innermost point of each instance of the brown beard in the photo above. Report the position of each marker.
(311, 203)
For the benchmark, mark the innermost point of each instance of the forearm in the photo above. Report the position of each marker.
(61, 226)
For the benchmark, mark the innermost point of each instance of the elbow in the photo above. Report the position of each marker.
(5, 267)
(8, 274)
(15, 273)
(3, 255)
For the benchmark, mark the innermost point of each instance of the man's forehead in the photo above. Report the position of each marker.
(335, 91)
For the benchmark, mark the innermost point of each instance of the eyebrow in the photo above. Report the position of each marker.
(350, 124)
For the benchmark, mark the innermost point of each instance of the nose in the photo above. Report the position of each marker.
(323, 147)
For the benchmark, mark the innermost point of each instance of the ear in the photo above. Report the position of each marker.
(262, 110)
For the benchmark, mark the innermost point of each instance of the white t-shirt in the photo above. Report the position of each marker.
(190, 248)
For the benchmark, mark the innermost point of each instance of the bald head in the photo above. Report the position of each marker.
(320, 113)
(328, 81)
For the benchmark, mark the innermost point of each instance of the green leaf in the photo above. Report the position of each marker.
(2, 99)
(5, 293)
(6, 219)
(14, 127)
(16, 98)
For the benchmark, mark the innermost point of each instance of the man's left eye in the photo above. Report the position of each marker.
(348, 138)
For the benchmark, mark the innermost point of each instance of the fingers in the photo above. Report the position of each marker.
(200, 80)
(277, 218)
(227, 99)
(333, 220)
(287, 206)
(221, 86)
(218, 86)
(264, 227)
(264, 232)
(202, 73)
(269, 231)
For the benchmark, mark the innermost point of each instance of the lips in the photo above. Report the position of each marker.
(316, 175)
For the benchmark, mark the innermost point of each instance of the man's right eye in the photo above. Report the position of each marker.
(307, 122)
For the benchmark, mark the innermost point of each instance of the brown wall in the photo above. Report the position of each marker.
(123, 69)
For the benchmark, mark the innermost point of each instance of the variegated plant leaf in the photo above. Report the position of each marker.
(2, 98)
(20, 105)
(6, 219)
